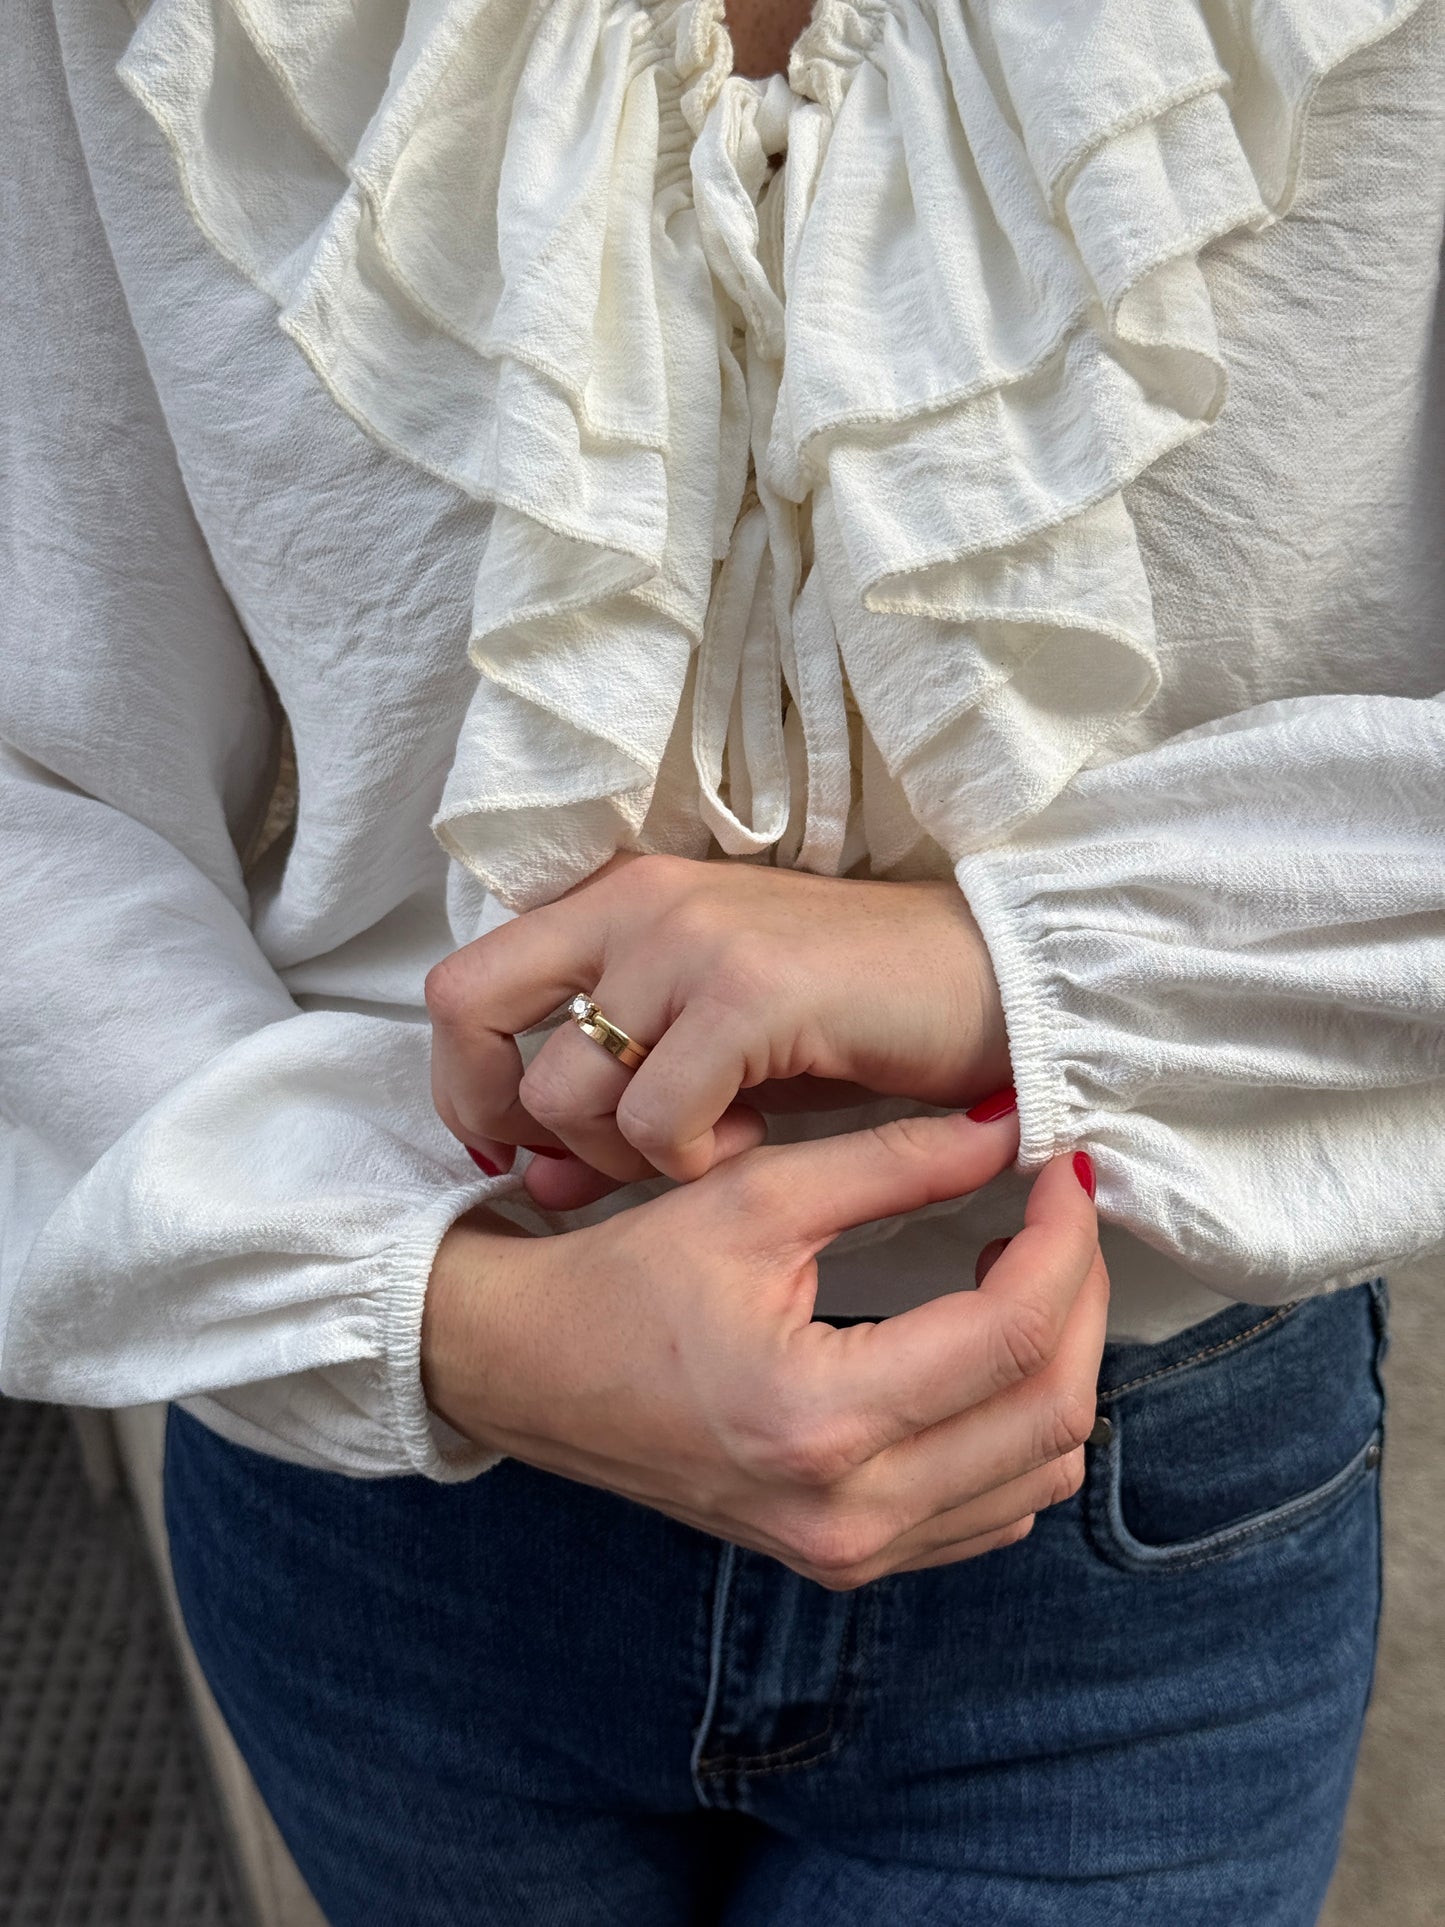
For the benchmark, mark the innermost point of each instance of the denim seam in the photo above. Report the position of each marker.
(722, 1594)
(809, 1751)
(1199, 1358)
(1161, 1561)
(781, 1759)
(1299, 1513)
(779, 1762)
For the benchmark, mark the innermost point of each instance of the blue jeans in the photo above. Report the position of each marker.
(524, 1703)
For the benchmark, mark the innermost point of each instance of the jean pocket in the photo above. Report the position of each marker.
(1239, 1432)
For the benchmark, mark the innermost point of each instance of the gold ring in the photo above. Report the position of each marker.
(590, 1021)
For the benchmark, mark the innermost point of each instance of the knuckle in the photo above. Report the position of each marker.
(848, 1581)
(806, 1455)
(1068, 1419)
(546, 1093)
(446, 991)
(646, 1125)
(1026, 1338)
(1067, 1476)
(656, 874)
(694, 920)
(836, 1552)
(447, 1111)
(904, 1137)
(469, 1123)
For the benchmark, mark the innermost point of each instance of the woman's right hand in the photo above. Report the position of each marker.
(670, 1354)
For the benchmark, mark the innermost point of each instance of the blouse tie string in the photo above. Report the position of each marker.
(768, 634)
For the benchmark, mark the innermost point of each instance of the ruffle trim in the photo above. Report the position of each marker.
(804, 407)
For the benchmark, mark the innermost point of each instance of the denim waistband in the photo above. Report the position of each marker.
(1126, 1366)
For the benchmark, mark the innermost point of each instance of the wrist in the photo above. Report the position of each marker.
(993, 1064)
(977, 1057)
(469, 1295)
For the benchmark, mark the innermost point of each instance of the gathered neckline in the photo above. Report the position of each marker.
(804, 405)
(692, 38)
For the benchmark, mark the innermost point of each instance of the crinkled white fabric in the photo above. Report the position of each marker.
(220, 1176)
(941, 284)
(1242, 1122)
(209, 1183)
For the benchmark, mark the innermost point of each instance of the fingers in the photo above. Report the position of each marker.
(482, 995)
(664, 1115)
(1029, 1427)
(567, 1184)
(796, 1198)
(1001, 1517)
(877, 1385)
(571, 1090)
(849, 1544)
(661, 1116)
(966, 1486)
(955, 1555)
(695, 1070)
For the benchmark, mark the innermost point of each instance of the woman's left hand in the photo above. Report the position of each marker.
(803, 991)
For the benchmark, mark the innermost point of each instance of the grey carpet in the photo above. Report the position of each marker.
(106, 1814)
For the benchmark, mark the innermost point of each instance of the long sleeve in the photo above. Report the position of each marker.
(203, 1187)
(1222, 963)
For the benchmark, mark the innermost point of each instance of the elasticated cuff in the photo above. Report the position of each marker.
(1000, 892)
(432, 1448)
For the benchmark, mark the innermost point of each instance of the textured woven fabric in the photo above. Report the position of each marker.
(1113, 487)
(884, 340)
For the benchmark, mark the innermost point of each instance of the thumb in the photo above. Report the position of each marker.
(805, 1194)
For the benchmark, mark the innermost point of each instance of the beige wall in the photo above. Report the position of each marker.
(1392, 1873)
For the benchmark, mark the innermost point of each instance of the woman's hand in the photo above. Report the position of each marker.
(669, 1354)
(738, 977)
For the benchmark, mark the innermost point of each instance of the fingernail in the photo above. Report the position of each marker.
(484, 1164)
(1084, 1170)
(543, 1151)
(998, 1104)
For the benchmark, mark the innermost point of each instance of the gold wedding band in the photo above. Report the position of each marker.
(590, 1021)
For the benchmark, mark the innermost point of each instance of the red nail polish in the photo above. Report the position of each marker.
(484, 1164)
(998, 1104)
(1084, 1170)
(543, 1151)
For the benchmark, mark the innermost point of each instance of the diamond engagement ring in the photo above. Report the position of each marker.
(589, 1020)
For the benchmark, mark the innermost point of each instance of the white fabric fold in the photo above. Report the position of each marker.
(1220, 951)
(937, 293)
(1188, 1002)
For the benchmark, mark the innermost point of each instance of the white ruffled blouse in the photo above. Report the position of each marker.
(776, 390)
(602, 450)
